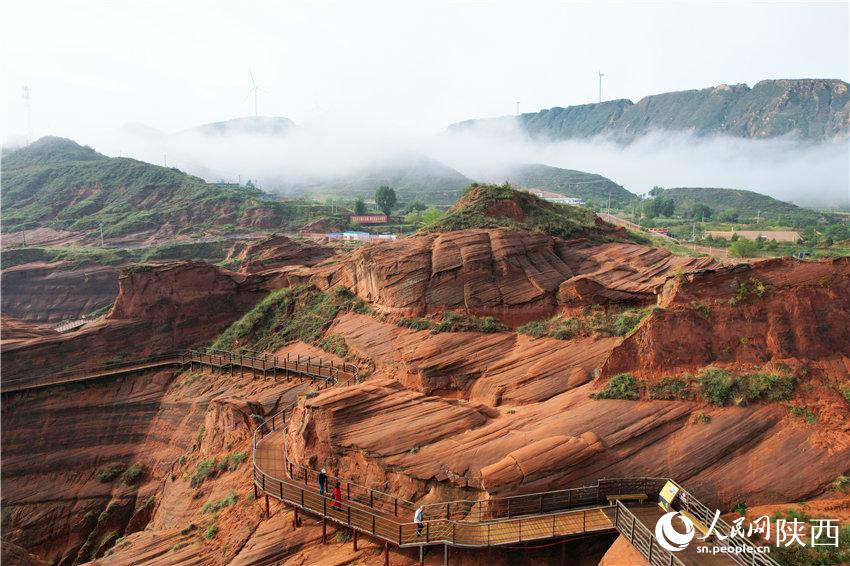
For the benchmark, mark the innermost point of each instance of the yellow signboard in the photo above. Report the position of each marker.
(667, 495)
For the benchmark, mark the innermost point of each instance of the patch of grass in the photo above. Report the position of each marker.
(343, 535)
(594, 320)
(722, 387)
(334, 344)
(191, 377)
(700, 417)
(511, 411)
(671, 388)
(456, 322)
(621, 386)
(845, 392)
(841, 483)
(232, 461)
(702, 309)
(312, 393)
(199, 436)
(740, 508)
(217, 505)
(203, 470)
(756, 288)
(824, 554)
(804, 413)
(414, 323)
(303, 313)
(178, 546)
(109, 473)
(189, 530)
(133, 474)
(211, 531)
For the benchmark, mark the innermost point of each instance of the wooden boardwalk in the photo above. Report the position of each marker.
(464, 524)
(397, 527)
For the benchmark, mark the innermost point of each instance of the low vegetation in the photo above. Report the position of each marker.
(621, 386)
(595, 320)
(216, 505)
(722, 387)
(713, 385)
(804, 413)
(133, 474)
(822, 554)
(204, 470)
(232, 461)
(501, 206)
(286, 315)
(211, 531)
(109, 473)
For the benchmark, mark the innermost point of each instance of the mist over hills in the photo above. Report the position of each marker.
(812, 109)
(784, 138)
(592, 188)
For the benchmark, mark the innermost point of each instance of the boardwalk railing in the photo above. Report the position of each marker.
(465, 523)
(474, 523)
(319, 370)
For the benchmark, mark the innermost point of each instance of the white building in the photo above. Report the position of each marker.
(557, 198)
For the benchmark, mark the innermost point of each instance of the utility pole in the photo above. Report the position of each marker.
(601, 74)
(609, 202)
(101, 235)
(29, 113)
(517, 107)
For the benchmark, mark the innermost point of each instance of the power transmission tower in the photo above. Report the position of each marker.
(29, 112)
(601, 74)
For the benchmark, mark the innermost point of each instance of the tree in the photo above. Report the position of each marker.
(385, 199)
(729, 215)
(359, 206)
(742, 248)
(661, 206)
(656, 191)
(700, 210)
(414, 207)
(431, 215)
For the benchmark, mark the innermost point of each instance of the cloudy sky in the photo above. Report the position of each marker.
(417, 67)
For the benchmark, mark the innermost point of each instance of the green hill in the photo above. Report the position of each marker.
(592, 188)
(813, 109)
(501, 206)
(413, 176)
(56, 182)
(748, 205)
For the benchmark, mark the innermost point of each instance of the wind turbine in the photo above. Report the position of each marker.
(254, 90)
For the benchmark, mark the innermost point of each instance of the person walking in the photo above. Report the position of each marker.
(417, 518)
(323, 481)
(337, 496)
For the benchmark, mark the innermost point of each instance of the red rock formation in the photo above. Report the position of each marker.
(280, 251)
(14, 331)
(159, 309)
(513, 274)
(52, 292)
(751, 314)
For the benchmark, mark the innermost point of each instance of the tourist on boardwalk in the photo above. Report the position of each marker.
(417, 518)
(323, 481)
(337, 496)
